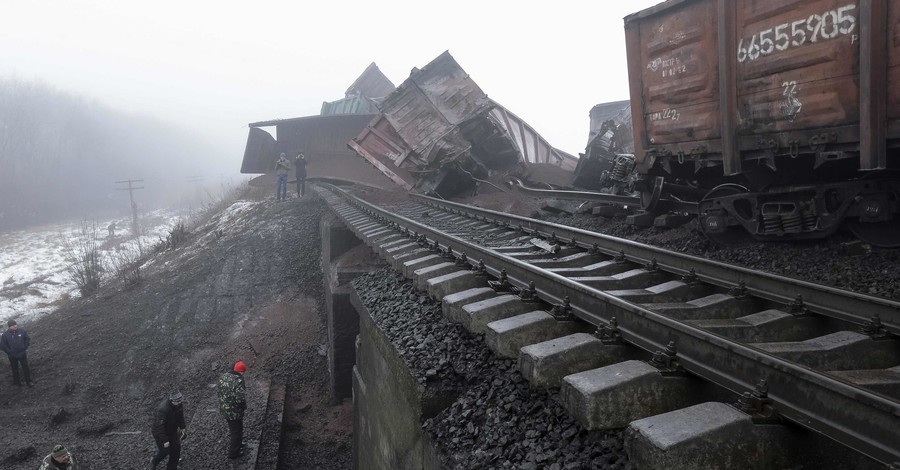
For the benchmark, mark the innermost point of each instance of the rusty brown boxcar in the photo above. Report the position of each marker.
(786, 112)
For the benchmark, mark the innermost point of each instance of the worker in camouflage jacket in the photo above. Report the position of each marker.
(59, 459)
(232, 403)
(282, 165)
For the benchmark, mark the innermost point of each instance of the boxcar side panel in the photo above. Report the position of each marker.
(379, 138)
(811, 104)
(793, 66)
(450, 89)
(413, 116)
(679, 74)
(893, 111)
(797, 63)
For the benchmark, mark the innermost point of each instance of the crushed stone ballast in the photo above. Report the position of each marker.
(686, 311)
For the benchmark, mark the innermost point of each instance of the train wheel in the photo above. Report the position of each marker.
(881, 234)
(649, 199)
(714, 217)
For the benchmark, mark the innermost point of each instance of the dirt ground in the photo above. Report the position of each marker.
(246, 285)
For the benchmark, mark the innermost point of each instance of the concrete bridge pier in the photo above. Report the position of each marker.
(344, 257)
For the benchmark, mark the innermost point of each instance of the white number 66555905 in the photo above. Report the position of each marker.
(814, 28)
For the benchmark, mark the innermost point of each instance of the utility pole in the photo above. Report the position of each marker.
(131, 188)
(195, 197)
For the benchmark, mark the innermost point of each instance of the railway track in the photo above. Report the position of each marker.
(779, 349)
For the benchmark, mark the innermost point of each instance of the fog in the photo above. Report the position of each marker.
(203, 69)
(61, 157)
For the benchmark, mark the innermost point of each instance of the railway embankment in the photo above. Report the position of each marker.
(670, 420)
(244, 284)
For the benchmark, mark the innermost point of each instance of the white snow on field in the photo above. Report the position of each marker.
(235, 211)
(33, 262)
(232, 219)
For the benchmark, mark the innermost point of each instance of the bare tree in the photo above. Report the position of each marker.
(127, 260)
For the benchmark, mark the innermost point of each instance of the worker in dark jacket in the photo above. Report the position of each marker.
(300, 172)
(168, 430)
(232, 403)
(14, 342)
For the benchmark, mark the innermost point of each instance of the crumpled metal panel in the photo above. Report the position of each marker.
(438, 132)
(610, 137)
(450, 89)
(429, 105)
(618, 111)
(361, 96)
(380, 138)
(531, 146)
(371, 84)
(381, 146)
(611, 131)
(349, 105)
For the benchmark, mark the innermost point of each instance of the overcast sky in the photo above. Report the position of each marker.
(213, 67)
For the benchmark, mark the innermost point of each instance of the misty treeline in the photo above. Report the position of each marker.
(60, 155)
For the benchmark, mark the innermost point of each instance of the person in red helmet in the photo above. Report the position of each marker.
(232, 403)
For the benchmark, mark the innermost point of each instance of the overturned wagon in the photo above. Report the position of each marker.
(439, 133)
(786, 114)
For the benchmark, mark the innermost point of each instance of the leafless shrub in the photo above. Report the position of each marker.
(217, 201)
(178, 234)
(84, 262)
(127, 261)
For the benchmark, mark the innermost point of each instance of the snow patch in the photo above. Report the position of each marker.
(33, 264)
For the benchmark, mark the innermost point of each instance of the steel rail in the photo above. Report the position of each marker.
(854, 417)
(836, 303)
(616, 199)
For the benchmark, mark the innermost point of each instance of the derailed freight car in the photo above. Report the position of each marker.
(439, 133)
(785, 113)
(608, 161)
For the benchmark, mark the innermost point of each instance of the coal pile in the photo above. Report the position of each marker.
(498, 420)
(437, 352)
(504, 423)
